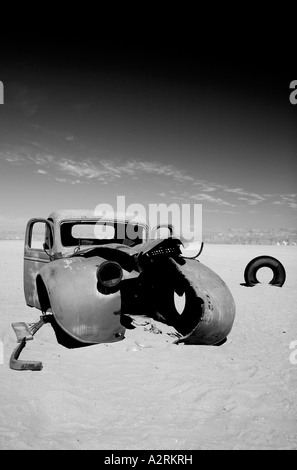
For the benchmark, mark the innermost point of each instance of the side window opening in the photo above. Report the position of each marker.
(40, 233)
(37, 237)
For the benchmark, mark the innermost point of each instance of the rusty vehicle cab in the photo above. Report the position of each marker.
(63, 234)
(90, 271)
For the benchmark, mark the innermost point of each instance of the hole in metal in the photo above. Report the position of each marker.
(179, 302)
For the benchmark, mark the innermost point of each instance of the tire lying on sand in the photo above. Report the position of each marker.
(279, 273)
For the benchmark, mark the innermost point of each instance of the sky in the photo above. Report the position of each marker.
(85, 122)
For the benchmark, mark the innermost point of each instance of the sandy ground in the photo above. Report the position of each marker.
(147, 393)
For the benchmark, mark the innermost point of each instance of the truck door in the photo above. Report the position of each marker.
(37, 252)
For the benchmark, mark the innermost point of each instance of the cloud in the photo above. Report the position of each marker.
(84, 169)
(220, 211)
(61, 180)
(209, 189)
(66, 169)
(11, 157)
(252, 198)
(289, 200)
(208, 198)
(250, 202)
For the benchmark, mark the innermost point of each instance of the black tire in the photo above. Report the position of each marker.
(279, 273)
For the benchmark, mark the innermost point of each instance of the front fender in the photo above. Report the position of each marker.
(209, 309)
(218, 306)
(78, 307)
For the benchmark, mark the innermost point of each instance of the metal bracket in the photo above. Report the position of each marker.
(25, 333)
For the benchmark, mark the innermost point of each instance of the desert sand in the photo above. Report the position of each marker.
(147, 393)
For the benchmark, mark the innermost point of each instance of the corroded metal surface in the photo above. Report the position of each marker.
(79, 308)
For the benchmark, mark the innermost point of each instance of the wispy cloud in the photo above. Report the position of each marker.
(65, 169)
(289, 200)
(206, 197)
(250, 197)
(12, 157)
(251, 202)
(220, 211)
(84, 169)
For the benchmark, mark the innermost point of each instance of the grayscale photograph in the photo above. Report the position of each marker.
(148, 245)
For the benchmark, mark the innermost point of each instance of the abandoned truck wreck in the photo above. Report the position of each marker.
(90, 272)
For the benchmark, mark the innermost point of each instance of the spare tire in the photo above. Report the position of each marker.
(279, 273)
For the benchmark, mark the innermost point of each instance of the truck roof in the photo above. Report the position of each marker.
(88, 214)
